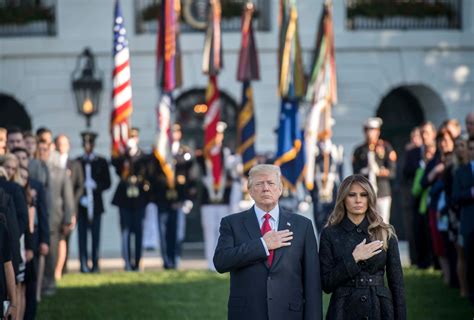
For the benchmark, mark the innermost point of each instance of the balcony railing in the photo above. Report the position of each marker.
(20, 18)
(194, 15)
(403, 14)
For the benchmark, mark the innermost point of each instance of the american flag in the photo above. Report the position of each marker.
(122, 88)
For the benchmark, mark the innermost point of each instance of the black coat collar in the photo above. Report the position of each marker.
(349, 226)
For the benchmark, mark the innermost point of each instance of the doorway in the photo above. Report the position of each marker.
(402, 109)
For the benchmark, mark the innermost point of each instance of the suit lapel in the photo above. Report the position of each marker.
(283, 223)
(251, 224)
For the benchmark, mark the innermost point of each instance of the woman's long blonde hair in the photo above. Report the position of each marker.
(378, 230)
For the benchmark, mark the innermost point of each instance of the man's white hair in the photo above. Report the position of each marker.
(264, 168)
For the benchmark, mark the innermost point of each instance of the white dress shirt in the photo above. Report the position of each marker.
(275, 215)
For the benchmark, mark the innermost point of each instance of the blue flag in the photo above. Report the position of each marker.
(290, 154)
(246, 129)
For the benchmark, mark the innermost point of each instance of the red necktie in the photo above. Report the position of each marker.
(265, 228)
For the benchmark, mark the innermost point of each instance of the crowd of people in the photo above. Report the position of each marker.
(439, 172)
(45, 194)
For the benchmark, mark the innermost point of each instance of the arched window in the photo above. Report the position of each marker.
(13, 113)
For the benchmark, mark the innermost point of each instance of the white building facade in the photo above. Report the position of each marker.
(404, 76)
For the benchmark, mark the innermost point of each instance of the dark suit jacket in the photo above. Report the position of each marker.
(412, 162)
(7, 207)
(462, 196)
(19, 200)
(42, 235)
(62, 199)
(101, 175)
(75, 173)
(290, 289)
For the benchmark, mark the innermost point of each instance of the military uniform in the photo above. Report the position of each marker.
(326, 183)
(89, 214)
(368, 160)
(171, 218)
(215, 205)
(131, 197)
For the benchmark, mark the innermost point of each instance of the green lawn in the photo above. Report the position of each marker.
(203, 295)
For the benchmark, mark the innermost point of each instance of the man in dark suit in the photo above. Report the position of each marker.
(74, 171)
(96, 180)
(463, 196)
(60, 213)
(416, 223)
(272, 256)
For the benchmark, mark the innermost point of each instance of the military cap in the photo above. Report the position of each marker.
(373, 123)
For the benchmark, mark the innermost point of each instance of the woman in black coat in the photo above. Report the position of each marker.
(356, 249)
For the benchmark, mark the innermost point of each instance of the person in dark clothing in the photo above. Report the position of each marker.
(377, 161)
(356, 249)
(463, 196)
(89, 216)
(7, 274)
(131, 197)
(39, 228)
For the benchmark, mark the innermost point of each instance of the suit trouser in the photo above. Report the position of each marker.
(469, 254)
(211, 216)
(131, 222)
(422, 240)
(83, 226)
(171, 237)
(383, 206)
(51, 258)
(30, 289)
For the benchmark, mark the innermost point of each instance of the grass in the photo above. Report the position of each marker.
(203, 295)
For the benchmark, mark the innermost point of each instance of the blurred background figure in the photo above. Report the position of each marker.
(61, 210)
(3, 141)
(328, 176)
(74, 172)
(376, 160)
(131, 197)
(96, 180)
(214, 201)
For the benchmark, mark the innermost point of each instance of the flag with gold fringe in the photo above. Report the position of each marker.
(211, 65)
(168, 71)
(122, 87)
(321, 91)
(291, 82)
(290, 149)
(247, 71)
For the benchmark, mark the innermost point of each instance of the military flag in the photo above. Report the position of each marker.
(247, 71)
(168, 71)
(212, 64)
(322, 92)
(122, 88)
(291, 88)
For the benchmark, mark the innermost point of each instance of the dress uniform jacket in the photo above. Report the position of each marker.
(358, 290)
(385, 157)
(132, 190)
(227, 181)
(101, 175)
